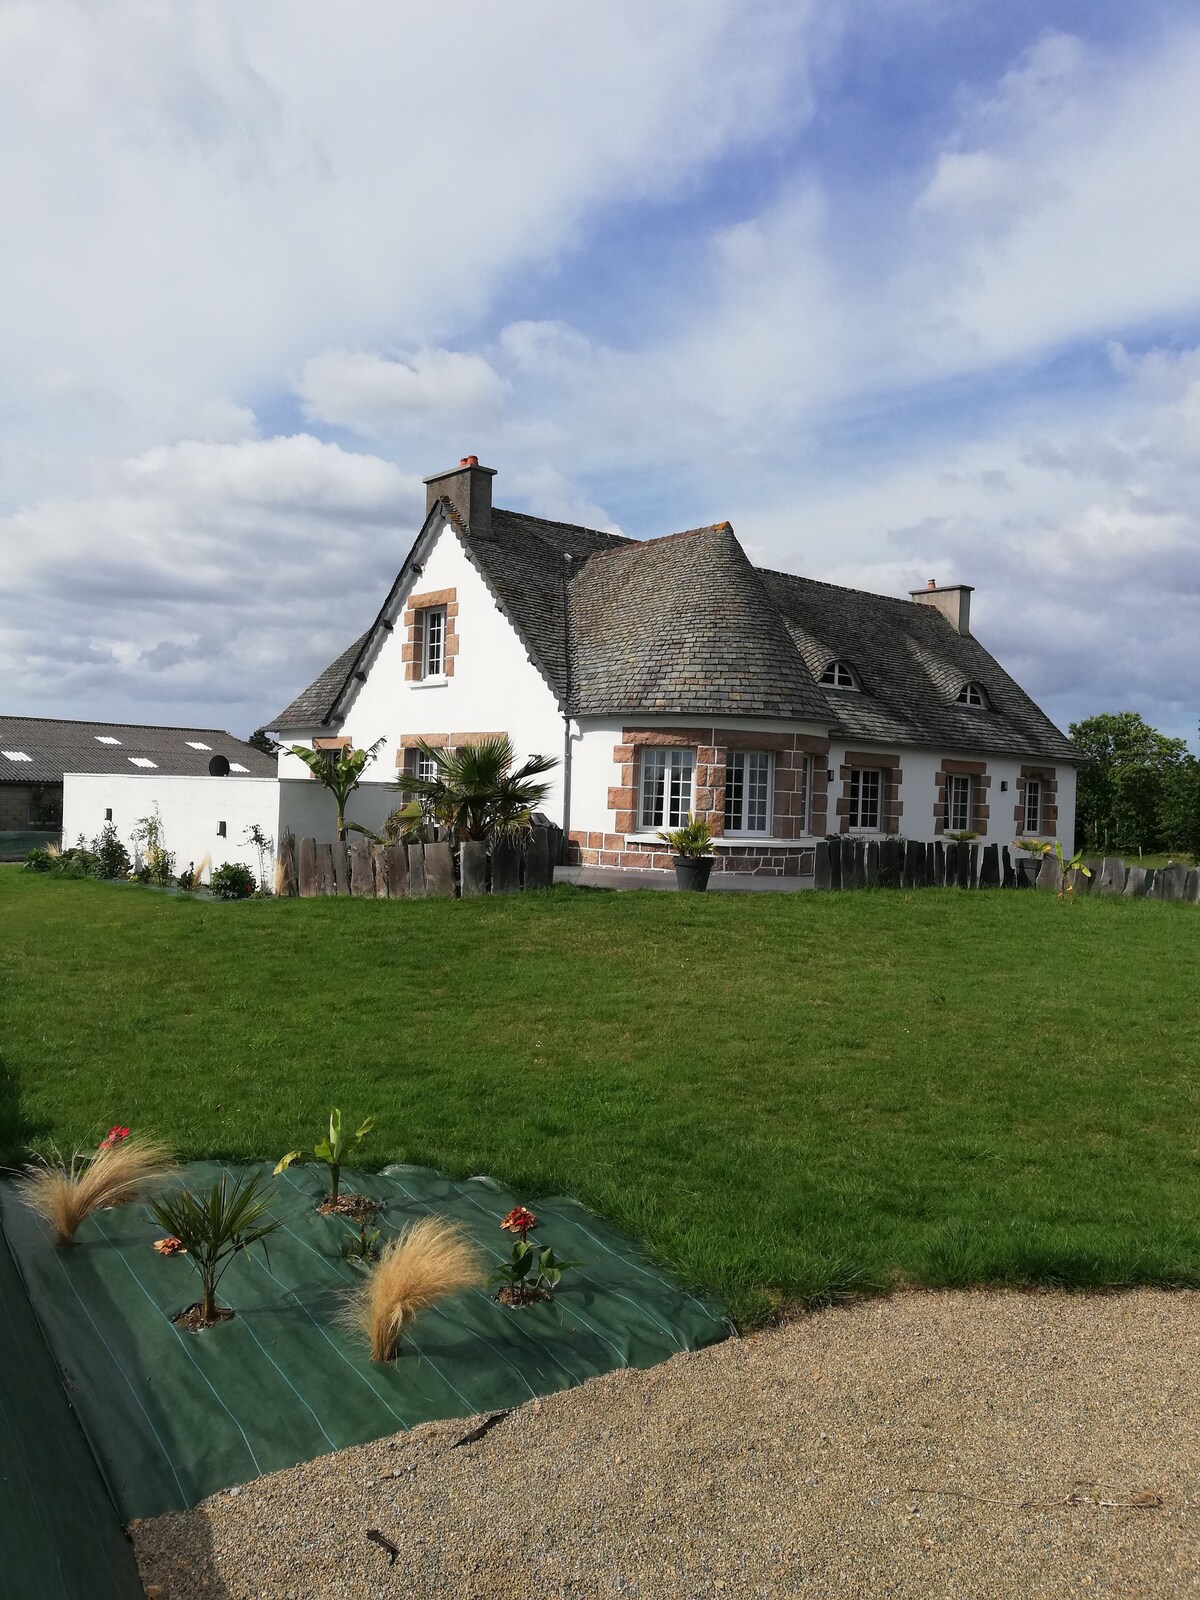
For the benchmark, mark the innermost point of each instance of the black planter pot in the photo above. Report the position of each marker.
(1027, 871)
(691, 872)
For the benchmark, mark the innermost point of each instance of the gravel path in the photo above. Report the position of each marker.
(925, 1446)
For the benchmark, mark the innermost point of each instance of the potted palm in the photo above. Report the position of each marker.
(692, 853)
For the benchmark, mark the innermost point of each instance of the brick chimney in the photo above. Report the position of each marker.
(468, 487)
(953, 601)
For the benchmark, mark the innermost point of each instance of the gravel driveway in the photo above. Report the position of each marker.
(925, 1446)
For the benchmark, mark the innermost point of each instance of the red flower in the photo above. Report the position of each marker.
(170, 1246)
(114, 1137)
(520, 1220)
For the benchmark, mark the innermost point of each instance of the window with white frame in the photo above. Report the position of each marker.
(748, 792)
(422, 766)
(866, 789)
(804, 817)
(1033, 806)
(974, 694)
(958, 803)
(433, 642)
(839, 675)
(666, 787)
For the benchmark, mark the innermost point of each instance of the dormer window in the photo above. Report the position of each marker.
(839, 675)
(974, 694)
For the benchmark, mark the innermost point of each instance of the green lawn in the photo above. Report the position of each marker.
(786, 1096)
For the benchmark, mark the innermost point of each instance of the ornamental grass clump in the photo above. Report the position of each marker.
(123, 1168)
(429, 1261)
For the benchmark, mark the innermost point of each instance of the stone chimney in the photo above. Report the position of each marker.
(468, 487)
(953, 600)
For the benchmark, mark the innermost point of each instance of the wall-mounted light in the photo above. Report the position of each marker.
(108, 813)
(1003, 785)
(221, 834)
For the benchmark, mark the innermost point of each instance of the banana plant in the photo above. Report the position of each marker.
(340, 771)
(1069, 870)
(332, 1150)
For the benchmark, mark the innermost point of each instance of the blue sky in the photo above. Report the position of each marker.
(903, 288)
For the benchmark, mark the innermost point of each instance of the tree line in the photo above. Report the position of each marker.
(1139, 789)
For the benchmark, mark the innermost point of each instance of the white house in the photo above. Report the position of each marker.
(672, 676)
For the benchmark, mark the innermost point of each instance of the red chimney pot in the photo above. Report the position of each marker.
(468, 461)
(932, 584)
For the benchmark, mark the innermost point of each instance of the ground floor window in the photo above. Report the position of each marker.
(419, 765)
(1033, 806)
(866, 787)
(748, 792)
(958, 803)
(666, 787)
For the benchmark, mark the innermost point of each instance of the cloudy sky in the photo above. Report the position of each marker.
(903, 288)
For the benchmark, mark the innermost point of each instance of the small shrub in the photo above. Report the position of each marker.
(39, 859)
(155, 863)
(332, 1150)
(122, 1169)
(430, 1260)
(213, 1228)
(533, 1270)
(112, 858)
(233, 881)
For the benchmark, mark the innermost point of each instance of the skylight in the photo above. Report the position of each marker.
(197, 744)
(236, 766)
(16, 755)
(142, 761)
(105, 738)
(838, 675)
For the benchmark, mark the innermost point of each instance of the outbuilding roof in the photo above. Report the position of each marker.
(42, 749)
(685, 624)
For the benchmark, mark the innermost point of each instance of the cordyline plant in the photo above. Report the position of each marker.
(476, 794)
(332, 1150)
(340, 771)
(213, 1228)
(533, 1270)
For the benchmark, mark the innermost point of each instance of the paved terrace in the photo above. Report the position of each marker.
(651, 878)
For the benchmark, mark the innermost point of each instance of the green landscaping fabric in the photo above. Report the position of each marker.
(60, 1537)
(173, 1416)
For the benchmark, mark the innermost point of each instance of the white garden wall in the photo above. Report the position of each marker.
(191, 809)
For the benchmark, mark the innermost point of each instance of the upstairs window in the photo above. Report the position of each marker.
(433, 642)
(666, 787)
(958, 803)
(866, 788)
(748, 791)
(974, 694)
(839, 675)
(1033, 806)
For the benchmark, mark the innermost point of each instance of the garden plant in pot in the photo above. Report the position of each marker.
(692, 852)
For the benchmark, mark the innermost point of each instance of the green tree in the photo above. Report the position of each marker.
(340, 771)
(476, 794)
(1137, 786)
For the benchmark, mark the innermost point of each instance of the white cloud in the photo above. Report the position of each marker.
(374, 395)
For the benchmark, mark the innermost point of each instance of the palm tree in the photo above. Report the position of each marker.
(340, 772)
(476, 794)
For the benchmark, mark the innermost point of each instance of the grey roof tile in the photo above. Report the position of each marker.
(55, 746)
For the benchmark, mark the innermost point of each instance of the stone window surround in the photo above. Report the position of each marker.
(975, 770)
(1048, 778)
(414, 629)
(438, 741)
(711, 742)
(891, 807)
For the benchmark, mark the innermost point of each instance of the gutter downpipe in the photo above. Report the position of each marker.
(566, 823)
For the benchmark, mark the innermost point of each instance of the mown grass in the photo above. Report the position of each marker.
(788, 1097)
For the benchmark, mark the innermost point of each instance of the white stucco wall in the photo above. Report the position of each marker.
(495, 687)
(309, 810)
(190, 809)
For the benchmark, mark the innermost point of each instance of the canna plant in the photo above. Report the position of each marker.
(332, 1150)
(341, 772)
(213, 1228)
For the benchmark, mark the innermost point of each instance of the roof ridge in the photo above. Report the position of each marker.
(573, 527)
(842, 588)
(684, 533)
(98, 722)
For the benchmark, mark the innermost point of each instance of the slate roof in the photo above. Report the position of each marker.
(55, 746)
(685, 624)
(912, 665)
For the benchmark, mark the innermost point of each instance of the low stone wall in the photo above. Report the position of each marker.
(416, 871)
(909, 864)
(586, 849)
